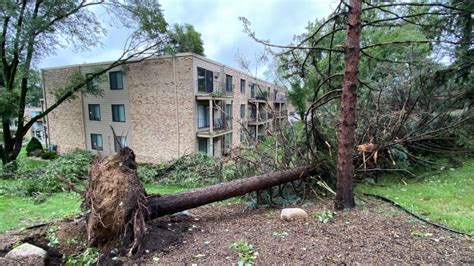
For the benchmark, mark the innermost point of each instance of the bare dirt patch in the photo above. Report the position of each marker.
(375, 232)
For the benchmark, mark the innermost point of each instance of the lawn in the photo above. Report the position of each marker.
(17, 212)
(445, 197)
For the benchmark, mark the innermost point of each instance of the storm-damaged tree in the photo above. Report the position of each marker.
(407, 98)
(347, 119)
(32, 30)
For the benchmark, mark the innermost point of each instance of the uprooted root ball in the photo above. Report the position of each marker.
(116, 204)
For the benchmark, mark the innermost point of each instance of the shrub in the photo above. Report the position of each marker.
(147, 172)
(49, 155)
(192, 170)
(33, 145)
(73, 167)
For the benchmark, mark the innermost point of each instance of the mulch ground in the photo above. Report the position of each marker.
(375, 232)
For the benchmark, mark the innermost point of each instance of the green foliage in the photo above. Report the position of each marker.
(49, 155)
(71, 166)
(247, 255)
(196, 170)
(51, 236)
(88, 257)
(216, 94)
(299, 98)
(147, 172)
(33, 145)
(184, 38)
(324, 216)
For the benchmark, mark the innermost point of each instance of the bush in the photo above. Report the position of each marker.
(49, 155)
(147, 172)
(192, 170)
(33, 145)
(73, 167)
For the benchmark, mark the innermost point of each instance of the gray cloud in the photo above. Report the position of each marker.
(217, 21)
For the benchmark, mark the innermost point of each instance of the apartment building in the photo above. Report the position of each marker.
(164, 108)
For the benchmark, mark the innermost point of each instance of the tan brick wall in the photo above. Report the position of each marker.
(162, 115)
(160, 104)
(66, 124)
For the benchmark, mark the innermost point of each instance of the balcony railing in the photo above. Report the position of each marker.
(281, 98)
(262, 117)
(215, 89)
(222, 123)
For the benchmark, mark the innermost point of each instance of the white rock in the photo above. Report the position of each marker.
(291, 214)
(28, 254)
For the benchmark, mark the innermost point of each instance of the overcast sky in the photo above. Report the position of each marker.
(218, 23)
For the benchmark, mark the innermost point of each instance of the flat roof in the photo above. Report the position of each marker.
(157, 58)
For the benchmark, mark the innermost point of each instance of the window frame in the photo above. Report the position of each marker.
(114, 73)
(91, 118)
(205, 82)
(118, 113)
(242, 111)
(242, 86)
(228, 83)
(96, 147)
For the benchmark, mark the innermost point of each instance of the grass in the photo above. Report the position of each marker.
(18, 212)
(445, 197)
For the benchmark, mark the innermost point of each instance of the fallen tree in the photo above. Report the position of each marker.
(160, 206)
(117, 206)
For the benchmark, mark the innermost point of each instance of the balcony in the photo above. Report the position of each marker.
(280, 98)
(215, 89)
(261, 118)
(220, 126)
(258, 96)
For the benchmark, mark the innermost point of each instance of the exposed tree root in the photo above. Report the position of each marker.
(115, 204)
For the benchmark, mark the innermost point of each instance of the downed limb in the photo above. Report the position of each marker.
(160, 206)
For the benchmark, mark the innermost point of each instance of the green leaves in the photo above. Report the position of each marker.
(247, 255)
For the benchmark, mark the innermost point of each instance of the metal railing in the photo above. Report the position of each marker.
(222, 123)
(216, 88)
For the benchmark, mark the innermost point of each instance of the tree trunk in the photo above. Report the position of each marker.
(160, 206)
(12, 145)
(344, 168)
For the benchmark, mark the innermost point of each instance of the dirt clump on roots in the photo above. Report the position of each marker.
(115, 204)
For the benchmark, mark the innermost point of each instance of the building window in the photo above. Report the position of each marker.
(252, 90)
(116, 80)
(96, 142)
(118, 112)
(203, 116)
(94, 112)
(228, 83)
(242, 86)
(120, 141)
(228, 111)
(202, 143)
(227, 143)
(242, 111)
(93, 84)
(205, 80)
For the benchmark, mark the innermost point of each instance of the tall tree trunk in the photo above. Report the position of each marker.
(160, 206)
(344, 168)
